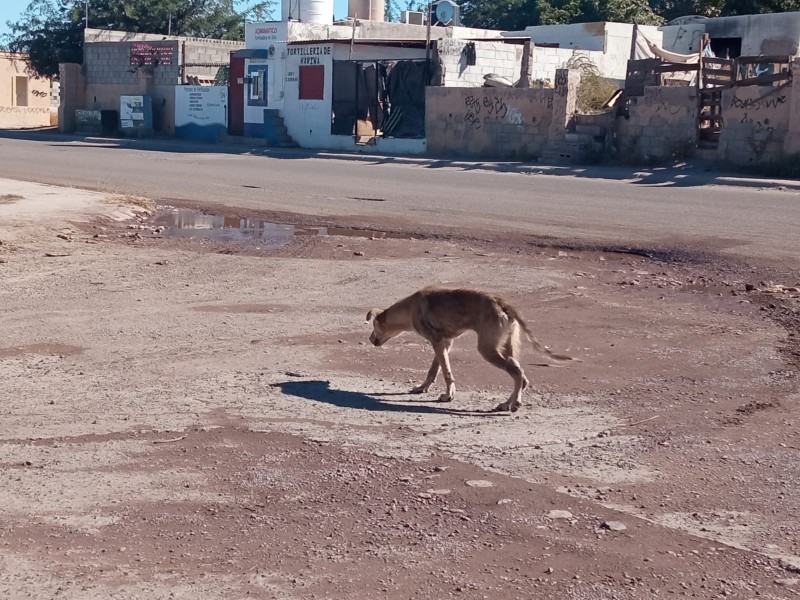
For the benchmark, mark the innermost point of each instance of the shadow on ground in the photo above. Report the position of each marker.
(321, 391)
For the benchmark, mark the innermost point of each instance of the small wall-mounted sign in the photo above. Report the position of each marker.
(152, 53)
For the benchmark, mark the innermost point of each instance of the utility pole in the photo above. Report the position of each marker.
(86, 17)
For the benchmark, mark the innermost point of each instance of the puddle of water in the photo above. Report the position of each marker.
(191, 224)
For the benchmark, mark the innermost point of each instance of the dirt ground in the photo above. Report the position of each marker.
(183, 418)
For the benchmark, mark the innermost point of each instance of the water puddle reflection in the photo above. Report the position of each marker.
(192, 224)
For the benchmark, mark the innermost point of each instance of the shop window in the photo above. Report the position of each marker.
(312, 82)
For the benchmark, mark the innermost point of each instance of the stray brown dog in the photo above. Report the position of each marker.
(440, 316)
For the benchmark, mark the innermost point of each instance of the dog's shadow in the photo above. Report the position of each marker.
(321, 391)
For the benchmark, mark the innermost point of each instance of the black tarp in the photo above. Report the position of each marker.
(406, 91)
(391, 95)
(350, 99)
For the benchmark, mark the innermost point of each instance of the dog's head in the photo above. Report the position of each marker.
(381, 332)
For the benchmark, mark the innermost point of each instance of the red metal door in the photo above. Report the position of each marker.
(236, 97)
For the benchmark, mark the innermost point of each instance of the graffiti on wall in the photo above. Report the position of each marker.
(653, 96)
(490, 106)
(450, 47)
(757, 103)
(562, 82)
(25, 110)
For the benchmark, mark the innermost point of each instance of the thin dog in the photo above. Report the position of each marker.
(441, 315)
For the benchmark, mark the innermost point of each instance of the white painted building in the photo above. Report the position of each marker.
(296, 75)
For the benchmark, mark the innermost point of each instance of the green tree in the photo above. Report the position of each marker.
(757, 7)
(506, 15)
(51, 31)
(519, 14)
(47, 35)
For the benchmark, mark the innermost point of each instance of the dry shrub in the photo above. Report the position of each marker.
(594, 91)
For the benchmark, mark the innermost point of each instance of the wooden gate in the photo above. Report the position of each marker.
(716, 74)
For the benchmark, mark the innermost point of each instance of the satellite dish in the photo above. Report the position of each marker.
(445, 13)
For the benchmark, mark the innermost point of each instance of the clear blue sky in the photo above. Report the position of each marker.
(10, 10)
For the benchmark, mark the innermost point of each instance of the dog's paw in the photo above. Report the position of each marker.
(502, 407)
(420, 389)
(446, 398)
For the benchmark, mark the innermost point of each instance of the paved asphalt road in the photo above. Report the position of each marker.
(683, 208)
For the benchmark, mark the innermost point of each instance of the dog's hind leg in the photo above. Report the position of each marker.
(490, 349)
(512, 349)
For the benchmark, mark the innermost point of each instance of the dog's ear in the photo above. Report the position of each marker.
(373, 312)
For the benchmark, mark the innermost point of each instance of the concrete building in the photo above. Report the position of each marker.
(24, 100)
(117, 65)
(340, 85)
(609, 45)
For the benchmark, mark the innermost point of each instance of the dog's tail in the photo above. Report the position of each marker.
(515, 316)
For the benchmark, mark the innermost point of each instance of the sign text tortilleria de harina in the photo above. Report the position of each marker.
(309, 55)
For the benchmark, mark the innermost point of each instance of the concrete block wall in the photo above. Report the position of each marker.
(109, 74)
(110, 63)
(491, 57)
(207, 52)
(660, 125)
(760, 123)
(756, 120)
(547, 60)
(488, 122)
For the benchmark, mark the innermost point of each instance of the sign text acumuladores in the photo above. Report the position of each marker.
(309, 55)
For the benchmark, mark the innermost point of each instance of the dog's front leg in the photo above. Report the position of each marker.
(441, 349)
(429, 378)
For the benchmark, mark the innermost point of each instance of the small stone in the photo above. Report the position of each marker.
(358, 253)
(559, 514)
(788, 581)
(442, 492)
(614, 525)
(504, 501)
(424, 496)
(482, 483)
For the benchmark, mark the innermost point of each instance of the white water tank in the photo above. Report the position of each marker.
(368, 10)
(308, 11)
